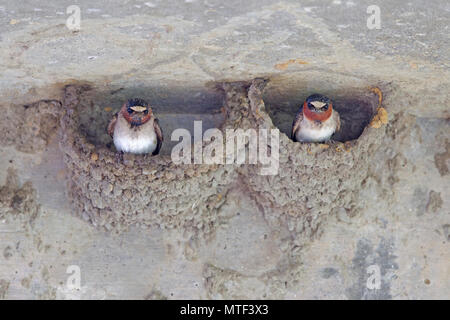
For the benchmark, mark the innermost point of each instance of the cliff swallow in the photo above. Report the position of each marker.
(135, 129)
(316, 121)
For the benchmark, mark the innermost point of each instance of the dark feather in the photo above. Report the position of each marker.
(112, 125)
(296, 124)
(159, 136)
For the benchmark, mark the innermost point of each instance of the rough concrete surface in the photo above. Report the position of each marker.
(375, 202)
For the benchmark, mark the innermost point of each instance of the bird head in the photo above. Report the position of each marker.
(136, 111)
(317, 107)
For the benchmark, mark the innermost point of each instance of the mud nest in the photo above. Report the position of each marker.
(313, 180)
(316, 180)
(140, 190)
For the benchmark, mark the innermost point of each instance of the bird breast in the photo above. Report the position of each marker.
(137, 139)
(310, 131)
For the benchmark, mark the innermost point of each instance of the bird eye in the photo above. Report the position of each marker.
(130, 111)
(324, 108)
(146, 112)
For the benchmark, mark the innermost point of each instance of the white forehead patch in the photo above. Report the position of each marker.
(318, 104)
(138, 108)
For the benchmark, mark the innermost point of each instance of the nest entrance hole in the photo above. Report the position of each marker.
(174, 107)
(356, 108)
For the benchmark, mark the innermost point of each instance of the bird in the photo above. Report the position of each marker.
(316, 120)
(135, 129)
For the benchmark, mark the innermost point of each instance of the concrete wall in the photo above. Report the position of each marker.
(178, 55)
